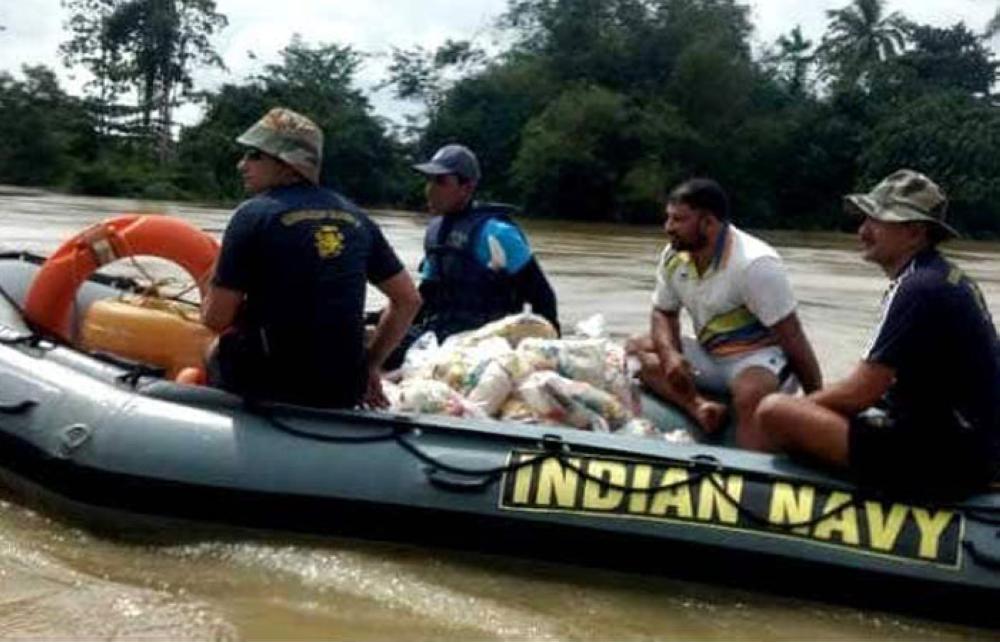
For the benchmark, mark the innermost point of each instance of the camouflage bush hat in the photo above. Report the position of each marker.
(903, 196)
(290, 137)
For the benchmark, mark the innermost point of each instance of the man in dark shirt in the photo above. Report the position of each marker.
(478, 266)
(921, 412)
(288, 291)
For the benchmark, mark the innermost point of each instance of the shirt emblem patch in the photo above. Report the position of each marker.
(329, 241)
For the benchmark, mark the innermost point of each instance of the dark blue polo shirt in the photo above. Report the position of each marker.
(302, 255)
(936, 333)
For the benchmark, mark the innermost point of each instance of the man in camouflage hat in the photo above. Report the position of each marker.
(921, 412)
(288, 291)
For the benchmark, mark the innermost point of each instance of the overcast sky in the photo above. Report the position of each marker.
(34, 29)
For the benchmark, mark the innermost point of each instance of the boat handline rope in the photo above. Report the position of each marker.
(388, 434)
(699, 470)
(767, 521)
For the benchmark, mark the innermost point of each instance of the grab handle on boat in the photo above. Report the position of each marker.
(18, 407)
(982, 558)
(461, 483)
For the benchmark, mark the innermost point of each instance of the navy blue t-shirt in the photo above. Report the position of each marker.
(302, 255)
(937, 334)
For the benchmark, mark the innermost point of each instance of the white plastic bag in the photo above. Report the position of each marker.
(556, 399)
(514, 328)
(593, 327)
(431, 397)
(491, 390)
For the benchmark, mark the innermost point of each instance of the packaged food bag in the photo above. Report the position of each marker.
(556, 399)
(492, 387)
(463, 367)
(431, 397)
(514, 329)
(638, 427)
(515, 408)
(599, 362)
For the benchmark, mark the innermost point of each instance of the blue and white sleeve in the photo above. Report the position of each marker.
(503, 246)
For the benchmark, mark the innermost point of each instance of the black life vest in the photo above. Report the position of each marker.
(468, 294)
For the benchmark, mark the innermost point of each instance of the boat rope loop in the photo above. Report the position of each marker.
(702, 470)
(982, 558)
(17, 408)
(262, 411)
(29, 338)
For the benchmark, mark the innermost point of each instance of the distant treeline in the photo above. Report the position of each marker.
(592, 112)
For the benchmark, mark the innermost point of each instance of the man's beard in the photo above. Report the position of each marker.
(681, 245)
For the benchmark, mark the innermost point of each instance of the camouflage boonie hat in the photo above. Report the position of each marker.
(903, 196)
(290, 137)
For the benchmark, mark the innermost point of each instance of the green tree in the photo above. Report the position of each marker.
(90, 47)
(488, 112)
(360, 157)
(953, 138)
(148, 46)
(593, 154)
(858, 37)
(791, 61)
(425, 76)
(950, 58)
(44, 130)
(993, 26)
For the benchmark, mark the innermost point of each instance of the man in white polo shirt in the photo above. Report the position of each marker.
(749, 342)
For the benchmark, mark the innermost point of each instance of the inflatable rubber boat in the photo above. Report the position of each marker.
(93, 434)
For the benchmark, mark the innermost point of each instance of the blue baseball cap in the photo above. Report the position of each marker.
(452, 159)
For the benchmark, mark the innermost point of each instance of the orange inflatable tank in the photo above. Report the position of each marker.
(151, 330)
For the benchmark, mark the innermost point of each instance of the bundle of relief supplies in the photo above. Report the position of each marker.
(517, 369)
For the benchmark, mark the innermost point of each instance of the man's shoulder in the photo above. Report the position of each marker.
(256, 204)
(752, 247)
(930, 272)
(492, 209)
(503, 228)
(671, 259)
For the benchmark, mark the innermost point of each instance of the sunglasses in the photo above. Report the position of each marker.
(442, 179)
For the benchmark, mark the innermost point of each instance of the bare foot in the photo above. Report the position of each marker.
(710, 415)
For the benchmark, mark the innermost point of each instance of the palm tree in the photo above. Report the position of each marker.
(793, 55)
(858, 37)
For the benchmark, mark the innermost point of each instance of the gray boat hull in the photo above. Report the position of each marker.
(101, 438)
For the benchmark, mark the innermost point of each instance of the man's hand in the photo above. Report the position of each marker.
(374, 395)
(678, 373)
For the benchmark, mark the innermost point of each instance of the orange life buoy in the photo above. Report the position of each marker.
(49, 302)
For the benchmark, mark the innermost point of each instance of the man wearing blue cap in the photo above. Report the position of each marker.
(477, 264)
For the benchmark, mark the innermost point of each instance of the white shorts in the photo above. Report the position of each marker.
(714, 374)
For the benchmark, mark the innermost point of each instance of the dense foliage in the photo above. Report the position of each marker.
(594, 109)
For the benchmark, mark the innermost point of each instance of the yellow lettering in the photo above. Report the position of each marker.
(931, 528)
(712, 502)
(789, 506)
(296, 217)
(556, 479)
(641, 476)
(597, 496)
(522, 480)
(883, 531)
(678, 499)
(843, 521)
